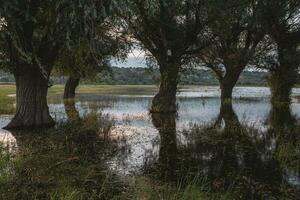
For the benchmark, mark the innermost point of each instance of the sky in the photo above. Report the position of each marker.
(136, 58)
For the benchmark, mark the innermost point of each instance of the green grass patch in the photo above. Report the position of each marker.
(7, 93)
(67, 162)
(7, 99)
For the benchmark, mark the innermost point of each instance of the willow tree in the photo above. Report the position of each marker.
(169, 31)
(31, 36)
(282, 22)
(80, 63)
(236, 33)
(87, 61)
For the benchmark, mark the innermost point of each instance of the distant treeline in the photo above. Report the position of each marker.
(145, 76)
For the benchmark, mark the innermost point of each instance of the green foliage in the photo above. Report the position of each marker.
(169, 30)
(237, 32)
(282, 24)
(34, 31)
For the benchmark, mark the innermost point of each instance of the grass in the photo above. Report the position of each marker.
(7, 93)
(197, 189)
(6, 101)
(67, 162)
(108, 89)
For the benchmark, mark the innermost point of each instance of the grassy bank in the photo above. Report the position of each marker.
(7, 93)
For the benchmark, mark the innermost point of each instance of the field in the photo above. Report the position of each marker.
(7, 93)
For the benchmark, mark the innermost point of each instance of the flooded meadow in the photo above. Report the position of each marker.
(108, 146)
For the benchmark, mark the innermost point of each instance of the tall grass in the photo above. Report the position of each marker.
(67, 162)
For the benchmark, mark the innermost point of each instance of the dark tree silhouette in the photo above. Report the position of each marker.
(166, 126)
(281, 20)
(31, 36)
(169, 31)
(236, 34)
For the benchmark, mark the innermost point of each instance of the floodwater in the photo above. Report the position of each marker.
(242, 145)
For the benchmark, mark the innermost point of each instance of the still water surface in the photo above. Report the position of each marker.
(168, 143)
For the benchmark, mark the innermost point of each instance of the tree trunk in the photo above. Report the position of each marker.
(70, 87)
(227, 84)
(165, 100)
(32, 110)
(283, 78)
(226, 91)
(228, 115)
(71, 111)
(281, 83)
(281, 117)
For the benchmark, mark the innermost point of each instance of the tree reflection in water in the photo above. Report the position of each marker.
(235, 158)
(166, 126)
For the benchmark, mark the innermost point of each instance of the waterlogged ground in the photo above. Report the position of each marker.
(250, 149)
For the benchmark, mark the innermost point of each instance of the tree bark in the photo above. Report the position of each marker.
(31, 93)
(228, 115)
(165, 100)
(281, 117)
(284, 76)
(70, 87)
(281, 83)
(227, 83)
(71, 111)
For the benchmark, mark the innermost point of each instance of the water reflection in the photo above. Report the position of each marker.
(227, 118)
(249, 146)
(72, 158)
(284, 133)
(167, 158)
(235, 157)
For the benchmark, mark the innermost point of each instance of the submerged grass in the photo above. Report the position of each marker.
(67, 162)
(70, 163)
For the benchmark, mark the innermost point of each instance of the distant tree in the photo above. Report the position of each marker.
(281, 19)
(32, 33)
(82, 61)
(169, 31)
(236, 34)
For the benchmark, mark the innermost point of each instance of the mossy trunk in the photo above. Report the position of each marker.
(31, 93)
(70, 87)
(165, 100)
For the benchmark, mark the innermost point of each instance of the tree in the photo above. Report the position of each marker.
(236, 34)
(84, 62)
(281, 20)
(31, 36)
(80, 63)
(169, 31)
